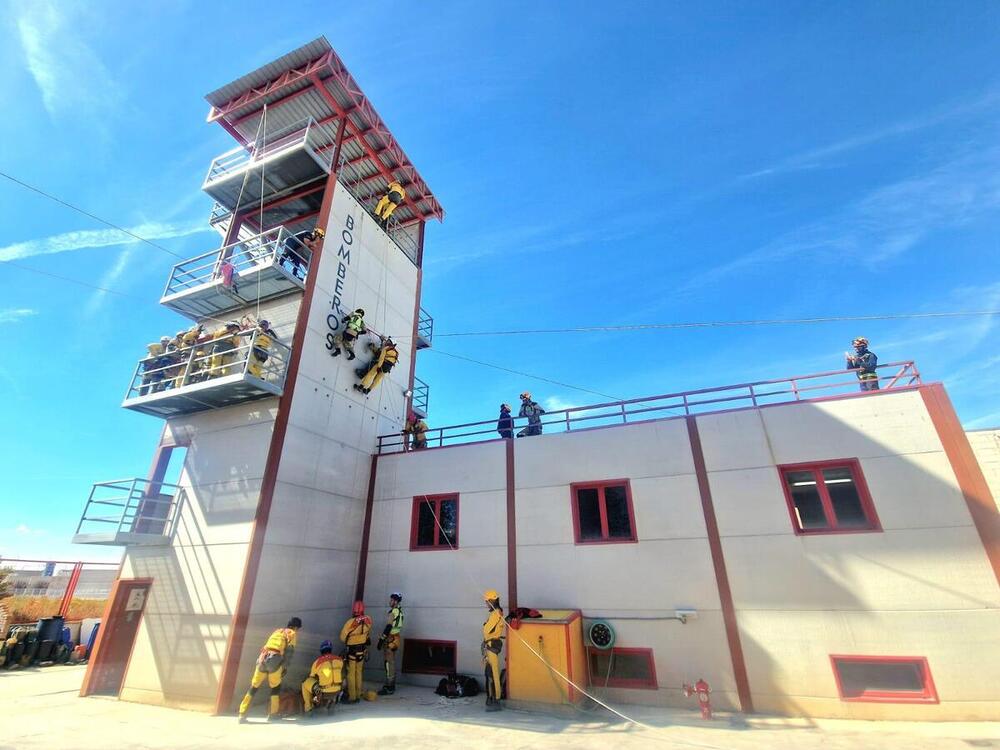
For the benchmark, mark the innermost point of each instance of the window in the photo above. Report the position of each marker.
(622, 667)
(828, 498)
(435, 522)
(602, 512)
(884, 679)
(428, 657)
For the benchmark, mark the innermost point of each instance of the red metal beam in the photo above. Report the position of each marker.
(253, 95)
(67, 599)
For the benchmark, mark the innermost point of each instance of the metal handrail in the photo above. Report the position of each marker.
(202, 362)
(421, 395)
(270, 247)
(138, 501)
(351, 178)
(425, 326)
(302, 133)
(700, 401)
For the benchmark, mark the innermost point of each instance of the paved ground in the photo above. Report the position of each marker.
(41, 709)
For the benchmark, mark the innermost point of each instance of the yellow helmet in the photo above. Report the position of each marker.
(860, 341)
(370, 695)
(319, 232)
(489, 595)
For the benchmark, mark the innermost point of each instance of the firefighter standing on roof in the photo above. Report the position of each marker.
(356, 635)
(533, 412)
(388, 642)
(272, 663)
(493, 637)
(864, 362)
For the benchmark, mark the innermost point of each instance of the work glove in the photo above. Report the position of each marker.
(381, 643)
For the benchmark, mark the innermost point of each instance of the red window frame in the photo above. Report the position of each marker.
(407, 667)
(439, 543)
(597, 680)
(600, 487)
(867, 506)
(928, 695)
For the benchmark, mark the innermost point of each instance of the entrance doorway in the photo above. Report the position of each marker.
(116, 637)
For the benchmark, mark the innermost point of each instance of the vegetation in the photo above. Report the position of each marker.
(5, 582)
(32, 608)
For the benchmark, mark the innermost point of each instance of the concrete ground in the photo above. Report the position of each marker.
(42, 710)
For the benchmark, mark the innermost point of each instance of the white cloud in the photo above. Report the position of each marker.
(16, 314)
(554, 403)
(72, 79)
(90, 238)
(109, 280)
(25, 530)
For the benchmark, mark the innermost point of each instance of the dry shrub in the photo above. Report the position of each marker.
(32, 608)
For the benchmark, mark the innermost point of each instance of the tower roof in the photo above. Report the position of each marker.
(313, 82)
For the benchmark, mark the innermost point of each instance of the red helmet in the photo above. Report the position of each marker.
(358, 609)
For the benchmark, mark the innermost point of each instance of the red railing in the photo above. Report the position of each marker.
(892, 375)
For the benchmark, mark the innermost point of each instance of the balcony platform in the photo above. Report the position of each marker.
(210, 394)
(128, 511)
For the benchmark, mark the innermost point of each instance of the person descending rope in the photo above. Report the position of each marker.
(354, 326)
(356, 635)
(388, 642)
(386, 356)
(534, 413)
(505, 424)
(325, 679)
(493, 637)
(272, 663)
(416, 428)
(294, 250)
(394, 196)
(259, 353)
(864, 362)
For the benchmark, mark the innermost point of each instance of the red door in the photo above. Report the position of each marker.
(120, 623)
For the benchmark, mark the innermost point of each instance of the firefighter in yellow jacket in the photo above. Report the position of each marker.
(226, 342)
(394, 196)
(493, 637)
(388, 642)
(356, 635)
(325, 677)
(386, 357)
(272, 663)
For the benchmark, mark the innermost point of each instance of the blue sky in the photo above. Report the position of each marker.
(653, 162)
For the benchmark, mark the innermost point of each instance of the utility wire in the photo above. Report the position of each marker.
(73, 281)
(726, 323)
(88, 214)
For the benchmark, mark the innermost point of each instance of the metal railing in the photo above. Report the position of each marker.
(421, 398)
(302, 133)
(892, 375)
(353, 181)
(130, 506)
(275, 246)
(256, 356)
(425, 327)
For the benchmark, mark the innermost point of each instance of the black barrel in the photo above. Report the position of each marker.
(50, 628)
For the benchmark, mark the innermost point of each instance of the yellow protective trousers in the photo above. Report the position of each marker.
(372, 378)
(385, 208)
(307, 692)
(355, 677)
(389, 657)
(273, 682)
(493, 674)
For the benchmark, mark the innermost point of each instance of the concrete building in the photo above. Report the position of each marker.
(805, 547)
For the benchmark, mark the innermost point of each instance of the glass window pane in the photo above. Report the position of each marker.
(631, 667)
(805, 496)
(449, 522)
(425, 525)
(589, 508)
(858, 678)
(845, 499)
(616, 504)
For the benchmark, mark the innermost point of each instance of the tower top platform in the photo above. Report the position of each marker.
(312, 82)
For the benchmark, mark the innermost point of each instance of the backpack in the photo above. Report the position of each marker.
(457, 686)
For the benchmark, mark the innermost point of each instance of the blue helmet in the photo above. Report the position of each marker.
(326, 646)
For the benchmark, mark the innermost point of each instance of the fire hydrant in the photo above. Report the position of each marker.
(702, 689)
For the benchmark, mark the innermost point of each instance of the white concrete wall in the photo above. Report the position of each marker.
(986, 445)
(310, 556)
(921, 587)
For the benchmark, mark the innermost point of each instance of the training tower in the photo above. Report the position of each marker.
(267, 515)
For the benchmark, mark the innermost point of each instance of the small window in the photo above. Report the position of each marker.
(602, 512)
(828, 498)
(622, 667)
(884, 679)
(428, 657)
(435, 522)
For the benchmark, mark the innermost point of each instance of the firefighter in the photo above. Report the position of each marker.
(416, 428)
(326, 678)
(292, 250)
(534, 413)
(153, 367)
(394, 196)
(864, 362)
(386, 357)
(356, 635)
(493, 637)
(227, 341)
(388, 642)
(193, 356)
(272, 663)
(259, 352)
(354, 326)
(505, 424)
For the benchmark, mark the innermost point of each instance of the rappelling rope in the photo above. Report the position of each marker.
(263, 166)
(547, 663)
